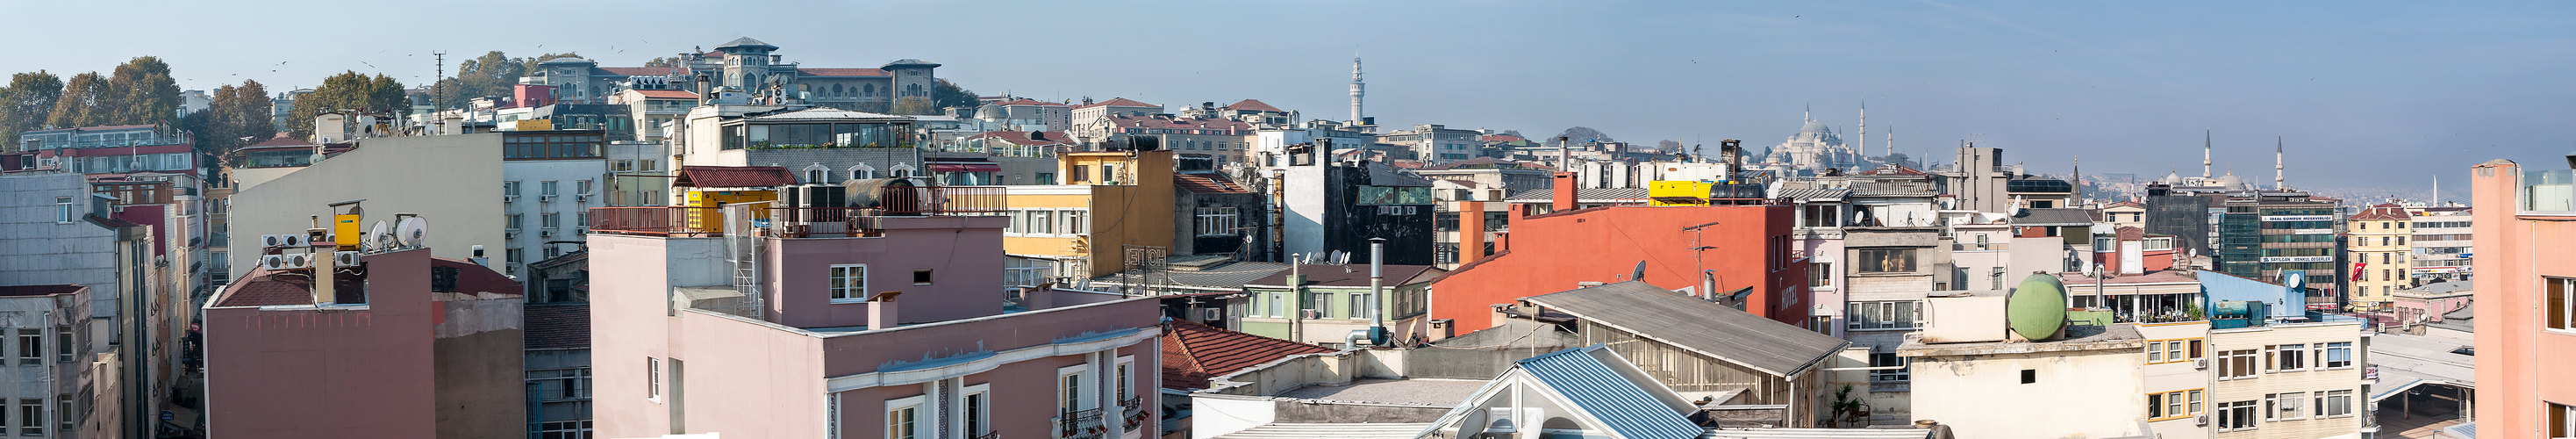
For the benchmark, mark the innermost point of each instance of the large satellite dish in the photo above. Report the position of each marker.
(412, 232)
(379, 237)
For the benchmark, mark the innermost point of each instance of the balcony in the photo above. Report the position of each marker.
(2547, 191)
(1080, 424)
(801, 222)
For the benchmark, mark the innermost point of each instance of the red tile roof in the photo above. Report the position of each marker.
(1193, 352)
(1027, 101)
(734, 176)
(668, 94)
(2382, 212)
(38, 290)
(841, 72)
(1120, 102)
(556, 326)
(1207, 183)
(643, 71)
(1254, 105)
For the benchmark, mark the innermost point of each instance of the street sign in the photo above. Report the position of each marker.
(167, 416)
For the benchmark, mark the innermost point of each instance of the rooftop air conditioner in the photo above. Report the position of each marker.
(298, 260)
(272, 262)
(271, 241)
(292, 240)
(345, 259)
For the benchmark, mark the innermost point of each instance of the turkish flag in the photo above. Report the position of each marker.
(2356, 270)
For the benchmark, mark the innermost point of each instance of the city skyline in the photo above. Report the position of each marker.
(2400, 92)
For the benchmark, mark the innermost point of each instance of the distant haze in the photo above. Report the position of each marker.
(2376, 95)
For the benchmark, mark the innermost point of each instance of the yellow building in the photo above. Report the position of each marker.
(1113, 203)
(2379, 253)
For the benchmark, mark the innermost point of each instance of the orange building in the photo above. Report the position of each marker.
(2525, 300)
(1743, 247)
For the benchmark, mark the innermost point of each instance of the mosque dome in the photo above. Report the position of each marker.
(1814, 127)
(2231, 181)
(2172, 178)
(991, 112)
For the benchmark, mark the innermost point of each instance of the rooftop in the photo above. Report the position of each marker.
(2152, 277)
(733, 176)
(1718, 331)
(2122, 337)
(2053, 217)
(2406, 361)
(1207, 183)
(1193, 352)
(1419, 391)
(1254, 105)
(1352, 275)
(557, 326)
(1399, 430)
(1120, 102)
(38, 290)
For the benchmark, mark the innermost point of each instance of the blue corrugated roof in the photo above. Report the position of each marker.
(2222, 286)
(1600, 390)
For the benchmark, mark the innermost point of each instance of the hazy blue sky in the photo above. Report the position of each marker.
(2367, 94)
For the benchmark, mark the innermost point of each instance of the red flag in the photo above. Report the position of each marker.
(2356, 270)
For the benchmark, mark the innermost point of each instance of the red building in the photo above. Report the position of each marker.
(1743, 248)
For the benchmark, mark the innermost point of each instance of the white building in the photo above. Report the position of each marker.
(549, 182)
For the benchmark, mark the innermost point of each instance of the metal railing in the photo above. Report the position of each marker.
(946, 200)
(1079, 424)
(672, 221)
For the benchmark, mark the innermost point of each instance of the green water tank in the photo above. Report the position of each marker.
(2037, 309)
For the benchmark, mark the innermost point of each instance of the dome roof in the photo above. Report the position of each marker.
(1813, 126)
(991, 112)
(2172, 178)
(2231, 181)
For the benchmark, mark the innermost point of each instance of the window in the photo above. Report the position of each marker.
(977, 410)
(1887, 261)
(921, 277)
(561, 384)
(2235, 416)
(2284, 406)
(1883, 315)
(1820, 274)
(63, 344)
(1025, 272)
(1074, 222)
(2334, 403)
(653, 378)
(515, 220)
(850, 283)
(1068, 389)
(2168, 351)
(581, 187)
(31, 346)
(1888, 359)
(902, 418)
(63, 210)
(1216, 221)
(31, 417)
(63, 413)
(2236, 364)
(1278, 307)
(2285, 358)
(546, 188)
(2337, 355)
(1824, 215)
(2562, 295)
(1126, 380)
(551, 220)
(2173, 405)
(2562, 420)
(1995, 277)
(2030, 376)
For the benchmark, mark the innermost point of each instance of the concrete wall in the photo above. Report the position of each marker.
(798, 272)
(568, 205)
(2513, 256)
(2078, 394)
(35, 250)
(454, 182)
(2308, 382)
(1297, 371)
(482, 388)
(1554, 252)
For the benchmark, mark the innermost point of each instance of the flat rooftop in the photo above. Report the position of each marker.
(2120, 336)
(1420, 391)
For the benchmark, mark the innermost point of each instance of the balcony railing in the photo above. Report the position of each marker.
(673, 221)
(1080, 424)
(946, 200)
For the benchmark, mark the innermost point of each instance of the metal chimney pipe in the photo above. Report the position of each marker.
(1377, 291)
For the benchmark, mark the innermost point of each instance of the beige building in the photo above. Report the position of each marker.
(2290, 378)
(454, 182)
(2380, 254)
(1091, 119)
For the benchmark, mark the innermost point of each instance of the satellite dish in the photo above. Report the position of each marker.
(379, 236)
(412, 232)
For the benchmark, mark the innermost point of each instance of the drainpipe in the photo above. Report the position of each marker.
(1296, 299)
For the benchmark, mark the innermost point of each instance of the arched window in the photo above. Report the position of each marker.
(868, 90)
(902, 170)
(816, 174)
(836, 89)
(863, 172)
(912, 90)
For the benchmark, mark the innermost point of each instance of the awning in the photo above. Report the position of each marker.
(965, 167)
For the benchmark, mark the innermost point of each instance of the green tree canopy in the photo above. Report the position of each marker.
(944, 95)
(140, 92)
(25, 103)
(237, 116)
(78, 105)
(349, 91)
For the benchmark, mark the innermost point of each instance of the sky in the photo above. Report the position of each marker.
(2362, 94)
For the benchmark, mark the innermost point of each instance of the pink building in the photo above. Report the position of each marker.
(2526, 307)
(832, 323)
(406, 346)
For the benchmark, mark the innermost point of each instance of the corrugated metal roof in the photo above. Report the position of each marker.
(1813, 194)
(1718, 331)
(2465, 430)
(1819, 433)
(1599, 390)
(1335, 431)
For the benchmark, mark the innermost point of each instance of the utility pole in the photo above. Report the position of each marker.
(1699, 266)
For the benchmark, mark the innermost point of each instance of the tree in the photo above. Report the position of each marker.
(1668, 146)
(914, 105)
(1582, 135)
(25, 103)
(490, 75)
(664, 62)
(945, 95)
(140, 92)
(78, 106)
(237, 116)
(349, 91)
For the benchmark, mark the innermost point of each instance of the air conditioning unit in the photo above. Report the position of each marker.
(1211, 314)
(345, 259)
(581, 197)
(2201, 421)
(292, 240)
(272, 262)
(509, 198)
(272, 241)
(2202, 364)
(545, 198)
(2289, 404)
(547, 233)
(298, 260)
(1311, 314)
(510, 233)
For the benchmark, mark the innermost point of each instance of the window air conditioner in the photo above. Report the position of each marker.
(2202, 364)
(2202, 421)
(509, 198)
(1211, 314)
(1311, 314)
(291, 240)
(298, 260)
(345, 259)
(545, 198)
(271, 241)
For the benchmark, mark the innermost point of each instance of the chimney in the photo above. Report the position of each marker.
(881, 309)
(1564, 188)
(323, 283)
(702, 90)
(1471, 231)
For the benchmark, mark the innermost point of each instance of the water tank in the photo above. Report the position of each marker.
(2037, 309)
(878, 193)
